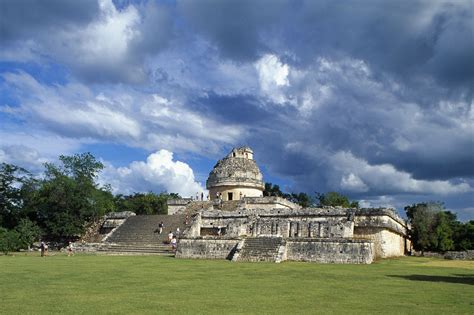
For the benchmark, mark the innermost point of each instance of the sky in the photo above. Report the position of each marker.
(372, 99)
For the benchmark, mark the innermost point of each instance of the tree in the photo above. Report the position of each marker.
(140, 203)
(432, 226)
(28, 232)
(302, 199)
(69, 196)
(464, 235)
(334, 199)
(272, 190)
(11, 200)
(9, 240)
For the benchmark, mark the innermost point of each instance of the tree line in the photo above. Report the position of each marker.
(329, 199)
(58, 205)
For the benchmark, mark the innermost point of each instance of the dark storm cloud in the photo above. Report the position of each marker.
(411, 39)
(235, 26)
(26, 18)
(241, 109)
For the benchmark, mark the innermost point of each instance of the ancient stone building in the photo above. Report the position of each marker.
(236, 176)
(242, 225)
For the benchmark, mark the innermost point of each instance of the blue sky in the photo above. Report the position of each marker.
(372, 99)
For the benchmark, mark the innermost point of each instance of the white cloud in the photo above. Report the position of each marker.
(122, 115)
(30, 149)
(105, 43)
(273, 76)
(353, 182)
(358, 175)
(71, 109)
(158, 173)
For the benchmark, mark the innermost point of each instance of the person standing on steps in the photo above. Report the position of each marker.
(160, 227)
(173, 243)
(170, 236)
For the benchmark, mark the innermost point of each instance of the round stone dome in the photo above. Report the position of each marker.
(235, 176)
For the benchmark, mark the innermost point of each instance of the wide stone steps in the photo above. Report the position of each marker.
(260, 249)
(139, 235)
(144, 228)
(136, 249)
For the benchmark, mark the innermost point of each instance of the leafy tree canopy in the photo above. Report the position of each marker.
(334, 199)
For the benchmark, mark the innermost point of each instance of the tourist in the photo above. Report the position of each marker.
(170, 236)
(160, 227)
(202, 196)
(42, 246)
(218, 231)
(186, 220)
(197, 196)
(173, 243)
(70, 249)
(177, 231)
(45, 249)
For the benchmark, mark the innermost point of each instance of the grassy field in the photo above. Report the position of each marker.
(149, 284)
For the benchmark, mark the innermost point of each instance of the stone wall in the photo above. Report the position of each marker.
(177, 205)
(386, 242)
(268, 203)
(330, 251)
(206, 248)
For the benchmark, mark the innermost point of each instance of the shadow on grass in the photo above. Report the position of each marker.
(463, 279)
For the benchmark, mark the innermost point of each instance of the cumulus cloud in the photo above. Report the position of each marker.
(31, 148)
(129, 117)
(357, 175)
(97, 41)
(71, 110)
(158, 173)
(273, 75)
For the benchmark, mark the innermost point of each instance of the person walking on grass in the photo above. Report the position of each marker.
(42, 247)
(70, 249)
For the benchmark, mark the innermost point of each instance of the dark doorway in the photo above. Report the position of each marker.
(229, 196)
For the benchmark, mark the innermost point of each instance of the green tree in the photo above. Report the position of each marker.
(302, 199)
(148, 203)
(28, 232)
(9, 240)
(11, 200)
(443, 230)
(272, 190)
(432, 226)
(335, 199)
(69, 196)
(464, 236)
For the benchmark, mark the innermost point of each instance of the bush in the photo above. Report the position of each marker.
(9, 240)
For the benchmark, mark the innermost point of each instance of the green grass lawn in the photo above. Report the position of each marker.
(152, 284)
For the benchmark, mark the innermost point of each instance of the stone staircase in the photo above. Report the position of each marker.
(261, 249)
(139, 235)
(136, 249)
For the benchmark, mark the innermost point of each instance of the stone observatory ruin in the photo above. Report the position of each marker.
(236, 176)
(239, 224)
